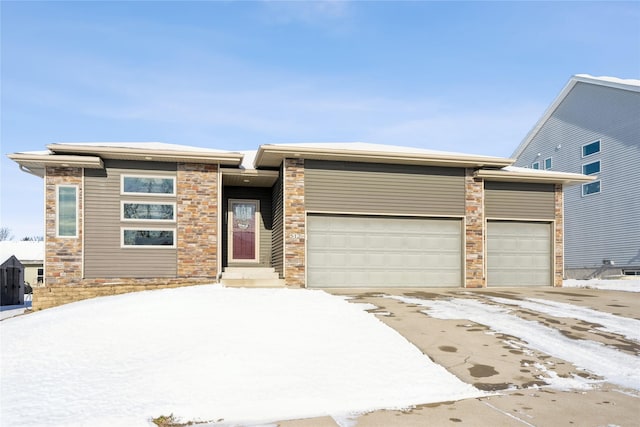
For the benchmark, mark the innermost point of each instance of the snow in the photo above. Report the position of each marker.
(628, 285)
(625, 326)
(23, 250)
(7, 311)
(208, 353)
(154, 146)
(615, 366)
(369, 147)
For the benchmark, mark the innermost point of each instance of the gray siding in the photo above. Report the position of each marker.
(103, 256)
(605, 225)
(277, 254)
(266, 222)
(347, 187)
(511, 200)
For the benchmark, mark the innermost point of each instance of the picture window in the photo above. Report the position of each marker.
(592, 148)
(591, 168)
(149, 185)
(148, 238)
(67, 211)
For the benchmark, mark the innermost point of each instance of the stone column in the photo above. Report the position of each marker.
(559, 236)
(63, 255)
(294, 223)
(474, 231)
(197, 220)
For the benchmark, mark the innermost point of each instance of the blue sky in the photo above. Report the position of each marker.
(471, 77)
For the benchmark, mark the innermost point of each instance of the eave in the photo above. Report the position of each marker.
(272, 156)
(543, 177)
(36, 163)
(153, 155)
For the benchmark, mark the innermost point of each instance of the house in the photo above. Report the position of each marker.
(122, 217)
(31, 256)
(593, 127)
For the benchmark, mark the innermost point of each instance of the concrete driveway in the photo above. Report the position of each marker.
(495, 362)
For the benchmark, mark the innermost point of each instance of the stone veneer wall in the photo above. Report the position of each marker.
(559, 236)
(197, 220)
(294, 223)
(63, 255)
(474, 231)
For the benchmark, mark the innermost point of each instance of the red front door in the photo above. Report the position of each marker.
(244, 231)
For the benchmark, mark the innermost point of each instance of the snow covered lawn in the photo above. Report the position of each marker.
(210, 353)
(627, 285)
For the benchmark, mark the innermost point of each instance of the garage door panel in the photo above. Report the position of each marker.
(519, 253)
(383, 251)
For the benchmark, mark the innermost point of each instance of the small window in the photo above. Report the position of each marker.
(40, 277)
(148, 238)
(149, 185)
(591, 168)
(67, 212)
(591, 188)
(591, 148)
(148, 211)
(547, 163)
(536, 165)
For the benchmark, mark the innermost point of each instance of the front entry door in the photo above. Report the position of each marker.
(243, 230)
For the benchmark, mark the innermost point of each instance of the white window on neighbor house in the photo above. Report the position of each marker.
(591, 188)
(591, 168)
(148, 237)
(148, 185)
(67, 211)
(591, 148)
(144, 211)
(547, 163)
(535, 165)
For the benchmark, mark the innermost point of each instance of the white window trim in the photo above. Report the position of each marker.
(124, 193)
(591, 194)
(533, 165)
(550, 163)
(146, 202)
(590, 163)
(76, 187)
(592, 154)
(122, 245)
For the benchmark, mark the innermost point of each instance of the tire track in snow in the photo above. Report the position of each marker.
(615, 366)
(629, 328)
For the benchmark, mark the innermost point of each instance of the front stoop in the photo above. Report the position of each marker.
(247, 277)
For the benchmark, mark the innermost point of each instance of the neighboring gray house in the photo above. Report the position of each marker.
(593, 127)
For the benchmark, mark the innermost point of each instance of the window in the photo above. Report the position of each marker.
(591, 188)
(40, 277)
(148, 237)
(591, 168)
(591, 148)
(67, 212)
(148, 211)
(536, 165)
(148, 185)
(547, 163)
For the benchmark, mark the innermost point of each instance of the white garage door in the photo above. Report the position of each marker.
(368, 251)
(519, 253)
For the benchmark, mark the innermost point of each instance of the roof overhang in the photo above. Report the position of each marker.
(272, 155)
(35, 163)
(533, 176)
(147, 154)
(249, 177)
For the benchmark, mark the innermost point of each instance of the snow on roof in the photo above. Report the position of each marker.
(159, 146)
(23, 250)
(606, 80)
(369, 147)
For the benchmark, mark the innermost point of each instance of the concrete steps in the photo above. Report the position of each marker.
(248, 277)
